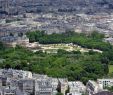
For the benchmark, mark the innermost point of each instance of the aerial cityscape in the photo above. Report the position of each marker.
(56, 47)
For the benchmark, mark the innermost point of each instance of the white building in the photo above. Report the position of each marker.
(105, 83)
(63, 85)
(54, 85)
(27, 74)
(74, 93)
(76, 88)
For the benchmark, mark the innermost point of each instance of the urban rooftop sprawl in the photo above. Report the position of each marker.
(67, 42)
(21, 16)
(19, 82)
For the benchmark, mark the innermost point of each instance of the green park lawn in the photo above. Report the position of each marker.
(110, 69)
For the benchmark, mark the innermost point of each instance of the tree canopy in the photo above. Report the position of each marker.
(72, 65)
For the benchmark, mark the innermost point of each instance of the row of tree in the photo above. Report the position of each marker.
(88, 41)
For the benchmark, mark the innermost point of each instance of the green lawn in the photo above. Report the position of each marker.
(110, 69)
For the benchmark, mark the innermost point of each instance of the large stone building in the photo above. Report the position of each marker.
(27, 85)
(43, 87)
(76, 88)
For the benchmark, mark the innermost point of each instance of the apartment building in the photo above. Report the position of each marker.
(103, 83)
(92, 87)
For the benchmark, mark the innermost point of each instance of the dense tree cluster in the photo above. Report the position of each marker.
(72, 65)
(109, 88)
(93, 41)
(59, 93)
(2, 46)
